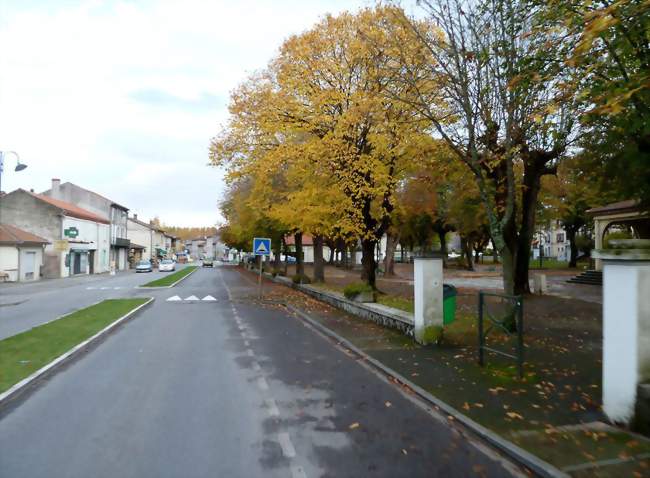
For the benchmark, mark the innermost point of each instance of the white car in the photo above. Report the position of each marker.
(167, 265)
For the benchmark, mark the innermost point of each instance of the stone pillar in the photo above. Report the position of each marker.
(626, 325)
(428, 299)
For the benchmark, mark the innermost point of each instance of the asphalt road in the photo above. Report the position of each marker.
(227, 388)
(26, 305)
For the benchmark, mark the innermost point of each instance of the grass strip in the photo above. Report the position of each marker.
(170, 279)
(25, 353)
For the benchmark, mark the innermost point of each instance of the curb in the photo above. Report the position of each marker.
(70, 354)
(519, 455)
(168, 286)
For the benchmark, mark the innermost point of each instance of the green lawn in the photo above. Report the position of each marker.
(395, 302)
(23, 354)
(170, 279)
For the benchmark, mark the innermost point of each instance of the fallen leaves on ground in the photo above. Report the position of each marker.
(354, 425)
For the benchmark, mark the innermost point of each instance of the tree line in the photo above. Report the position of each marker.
(475, 116)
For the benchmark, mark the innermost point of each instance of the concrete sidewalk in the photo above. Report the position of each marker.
(554, 412)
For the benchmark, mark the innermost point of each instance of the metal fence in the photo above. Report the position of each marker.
(501, 313)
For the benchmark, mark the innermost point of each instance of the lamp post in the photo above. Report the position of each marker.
(19, 166)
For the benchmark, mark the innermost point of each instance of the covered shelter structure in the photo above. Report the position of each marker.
(627, 213)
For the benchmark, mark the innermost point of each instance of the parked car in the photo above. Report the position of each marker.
(208, 262)
(143, 266)
(167, 265)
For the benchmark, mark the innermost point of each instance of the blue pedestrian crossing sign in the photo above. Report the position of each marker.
(261, 246)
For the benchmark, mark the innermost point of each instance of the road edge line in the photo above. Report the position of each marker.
(168, 286)
(521, 456)
(19, 387)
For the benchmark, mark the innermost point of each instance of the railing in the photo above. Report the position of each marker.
(504, 313)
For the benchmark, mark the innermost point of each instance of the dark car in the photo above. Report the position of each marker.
(207, 262)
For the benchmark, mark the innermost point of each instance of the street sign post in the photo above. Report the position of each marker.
(261, 247)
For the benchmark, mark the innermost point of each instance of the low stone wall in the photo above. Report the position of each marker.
(380, 314)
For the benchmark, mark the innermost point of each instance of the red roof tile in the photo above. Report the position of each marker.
(70, 209)
(306, 240)
(12, 235)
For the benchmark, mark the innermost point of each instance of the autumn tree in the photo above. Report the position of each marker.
(606, 48)
(323, 96)
(508, 126)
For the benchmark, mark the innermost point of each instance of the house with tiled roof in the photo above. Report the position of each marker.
(78, 239)
(115, 213)
(21, 254)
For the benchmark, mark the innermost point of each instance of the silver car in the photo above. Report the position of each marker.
(143, 266)
(167, 265)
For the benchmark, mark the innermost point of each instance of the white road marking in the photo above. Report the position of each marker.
(104, 288)
(250, 353)
(247, 343)
(116, 288)
(297, 472)
(209, 298)
(262, 383)
(91, 288)
(287, 447)
(174, 298)
(272, 408)
(256, 367)
(192, 297)
(241, 327)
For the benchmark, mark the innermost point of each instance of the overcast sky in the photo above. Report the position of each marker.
(122, 97)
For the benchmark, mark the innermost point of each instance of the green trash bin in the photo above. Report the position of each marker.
(449, 294)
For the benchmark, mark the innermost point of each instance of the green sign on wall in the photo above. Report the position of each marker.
(71, 232)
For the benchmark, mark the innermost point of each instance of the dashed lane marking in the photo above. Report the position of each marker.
(262, 383)
(250, 353)
(256, 367)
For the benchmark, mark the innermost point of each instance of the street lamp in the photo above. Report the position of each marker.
(19, 166)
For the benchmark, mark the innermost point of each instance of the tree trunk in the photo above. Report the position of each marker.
(571, 237)
(389, 260)
(330, 261)
(467, 251)
(368, 262)
(319, 265)
(276, 260)
(284, 248)
(532, 184)
(442, 235)
(495, 253)
(300, 267)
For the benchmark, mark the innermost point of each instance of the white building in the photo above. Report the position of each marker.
(156, 244)
(21, 254)
(79, 240)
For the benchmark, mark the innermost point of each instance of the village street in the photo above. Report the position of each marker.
(229, 387)
(24, 305)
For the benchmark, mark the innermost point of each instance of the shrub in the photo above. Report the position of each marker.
(353, 290)
(298, 279)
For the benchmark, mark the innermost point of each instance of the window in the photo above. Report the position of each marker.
(559, 237)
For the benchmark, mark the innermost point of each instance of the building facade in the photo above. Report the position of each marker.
(114, 213)
(21, 254)
(79, 240)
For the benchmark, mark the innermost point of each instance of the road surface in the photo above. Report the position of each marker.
(227, 388)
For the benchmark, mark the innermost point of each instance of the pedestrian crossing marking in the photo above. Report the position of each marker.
(192, 297)
(174, 298)
(209, 298)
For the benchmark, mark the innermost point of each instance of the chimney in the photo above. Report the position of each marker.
(56, 183)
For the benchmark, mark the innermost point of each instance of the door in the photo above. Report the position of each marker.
(76, 263)
(91, 261)
(29, 265)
